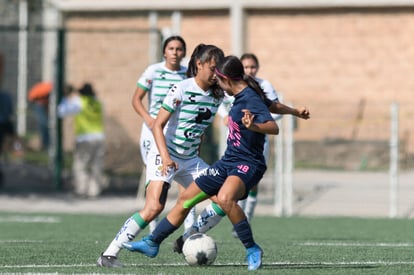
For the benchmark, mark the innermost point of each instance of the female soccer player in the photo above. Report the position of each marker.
(237, 172)
(192, 105)
(156, 80)
(251, 67)
(212, 214)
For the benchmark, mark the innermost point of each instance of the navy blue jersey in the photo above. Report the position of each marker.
(244, 144)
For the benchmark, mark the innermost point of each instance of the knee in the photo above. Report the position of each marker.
(150, 212)
(225, 203)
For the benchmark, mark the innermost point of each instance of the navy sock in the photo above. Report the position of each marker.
(162, 231)
(244, 232)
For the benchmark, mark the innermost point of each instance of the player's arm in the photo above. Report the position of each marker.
(140, 108)
(268, 127)
(157, 130)
(70, 105)
(279, 108)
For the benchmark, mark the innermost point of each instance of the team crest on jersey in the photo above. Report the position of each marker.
(176, 102)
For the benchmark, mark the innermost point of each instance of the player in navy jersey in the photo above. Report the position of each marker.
(186, 111)
(211, 215)
(230, 178)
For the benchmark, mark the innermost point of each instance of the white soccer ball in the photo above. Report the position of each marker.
(200, 249)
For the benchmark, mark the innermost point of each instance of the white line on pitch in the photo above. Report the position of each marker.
(21, 241)
(30, 219)
(355, 263)
(357, 244)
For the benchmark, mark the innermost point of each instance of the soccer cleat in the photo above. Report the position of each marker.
(108, 261)
(254, 257)
(145, 246)
(178, 245)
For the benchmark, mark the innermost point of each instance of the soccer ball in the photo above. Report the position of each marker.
(200, 249)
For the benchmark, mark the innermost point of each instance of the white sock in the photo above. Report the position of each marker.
(251, 202)
(126, 234)
(242, 203)
(153, 224)
(208, 218)
(189, 220)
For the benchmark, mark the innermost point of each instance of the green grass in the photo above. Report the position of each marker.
(72, 243)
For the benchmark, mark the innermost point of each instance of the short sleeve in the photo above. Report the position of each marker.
(173, 99)
(146, 79)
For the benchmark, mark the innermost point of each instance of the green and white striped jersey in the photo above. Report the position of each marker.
(157, 79)
(193, 110)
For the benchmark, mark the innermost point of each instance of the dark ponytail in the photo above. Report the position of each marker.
(206, 53)
(233, 69)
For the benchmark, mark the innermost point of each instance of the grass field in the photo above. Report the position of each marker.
(63, 243)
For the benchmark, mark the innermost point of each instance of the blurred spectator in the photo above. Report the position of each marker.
(39, 96)
(89, 178)
(7, 131)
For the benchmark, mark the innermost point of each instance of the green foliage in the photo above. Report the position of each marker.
(297, 245)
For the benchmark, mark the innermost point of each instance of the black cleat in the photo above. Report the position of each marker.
(178, 245)
(108, 261)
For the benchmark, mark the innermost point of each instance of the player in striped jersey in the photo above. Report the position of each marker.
(189, 108)
(154, 83)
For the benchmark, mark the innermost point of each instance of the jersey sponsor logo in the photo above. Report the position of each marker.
(173, 88)
(203, 114)
(191, 98)
(209, 172)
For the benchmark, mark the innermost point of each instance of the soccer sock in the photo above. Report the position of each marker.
(251, 202)
(163, 230)
(127, 233)
(189, 220)
(208, 218)
(242, 203)
(244, 232)
(153, 224)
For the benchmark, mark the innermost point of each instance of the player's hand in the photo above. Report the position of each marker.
(168, 165)
(247, 119)
(150, 123)
(304, 113)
